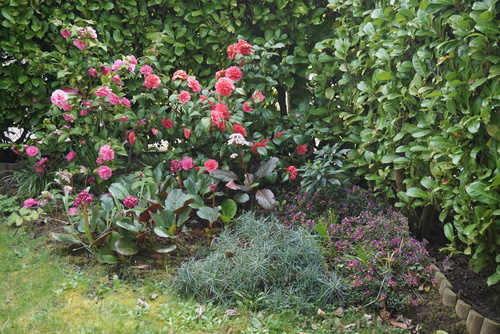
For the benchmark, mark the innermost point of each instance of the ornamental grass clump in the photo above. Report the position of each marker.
(384, 264)
(262, 264)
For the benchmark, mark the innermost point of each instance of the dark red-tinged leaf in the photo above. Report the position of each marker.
(265, 198)
(141, 237)
(186, 204)
(224, 175)
(267, 167)
(145, 216)
(100, 239)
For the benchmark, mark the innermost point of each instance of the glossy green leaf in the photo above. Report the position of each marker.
(479, 192)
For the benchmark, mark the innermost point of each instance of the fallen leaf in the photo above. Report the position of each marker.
(339, 311)
(232, 312)
(154, 296)
(142, 303)
(398, 324)
(385, 315)
(141, 266)
(201, 309)
(229, 330)
(321, 313)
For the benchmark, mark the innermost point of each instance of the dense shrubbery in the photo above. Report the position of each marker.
(411, 88)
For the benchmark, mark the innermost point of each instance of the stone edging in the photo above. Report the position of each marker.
(475, 323)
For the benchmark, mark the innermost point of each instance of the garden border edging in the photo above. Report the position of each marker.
(475, 323)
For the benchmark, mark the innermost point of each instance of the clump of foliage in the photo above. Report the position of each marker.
(263, 264)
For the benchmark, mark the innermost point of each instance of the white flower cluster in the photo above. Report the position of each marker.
(238, 139)
(63, 176)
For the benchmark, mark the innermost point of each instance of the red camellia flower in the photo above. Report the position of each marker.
(152, 81)
(167, 123)
(231, 51)
(258, 97)
(187, 133)
(302, 149)
(184, 97)
(246, 107)
(257, 145)
(79, 44)
(187, 163)
(92, 72)
(234, 73)
(103, 91)
(131, 138)
(243, 47)
(180, 74)
(224, 87)
(237, 128)
(293, 172)
(279, 134)
(211, 165)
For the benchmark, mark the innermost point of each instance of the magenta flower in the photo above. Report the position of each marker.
(114, 99)
(106, 153)
(224, 87)
(125, 102)
(104, 172)
(59, 98)
(30, 202)
(83, 198)
(65, 33)
(187, 163)
(79, 44)
(92, 72)
(103, 91)
(302, 149)
(175, 165)
(68, 118)
(31, 151)
(73, 211)
(71, 156)
(130, 201)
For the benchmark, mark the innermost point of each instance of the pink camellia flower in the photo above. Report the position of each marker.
(193, 84)
(234, 73)
(130, 201)
(79, 44)
(114, 99)
(65, 33)
(131, 138)
(68, 118)
(167, 123)
(238, 128)
(152, 81)
(31, 151)
(231, 51)
(100, 161)
(125, 102)
(258, 97)
(83, 198)
(293, 172)
(104, 172)
(106, 70)
(180, 74)
(146, 69)
(116, 78)
(184, 97)
(246, 107)
(116, 65)
(106, 153)
(59, 98)
(302, 149)
(103, 91)
(154, 131)
(211, 165)
(123, 119)
(30, 202)
(187, 133)
(92, 72)
(220, 74)
(224, 87)
(72, 211)
(187, 163)
(220, 113)
(71, 156)
(67, 107)
(83, 113)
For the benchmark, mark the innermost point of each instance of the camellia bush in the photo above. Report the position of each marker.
(105, 115)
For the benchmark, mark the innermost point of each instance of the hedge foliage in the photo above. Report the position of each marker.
(411, 87)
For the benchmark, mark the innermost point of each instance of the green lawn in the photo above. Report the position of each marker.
(42, 291)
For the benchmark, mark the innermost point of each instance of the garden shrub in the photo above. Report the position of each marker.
(264, 264)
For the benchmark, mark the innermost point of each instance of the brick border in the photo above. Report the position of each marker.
(475, 323)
